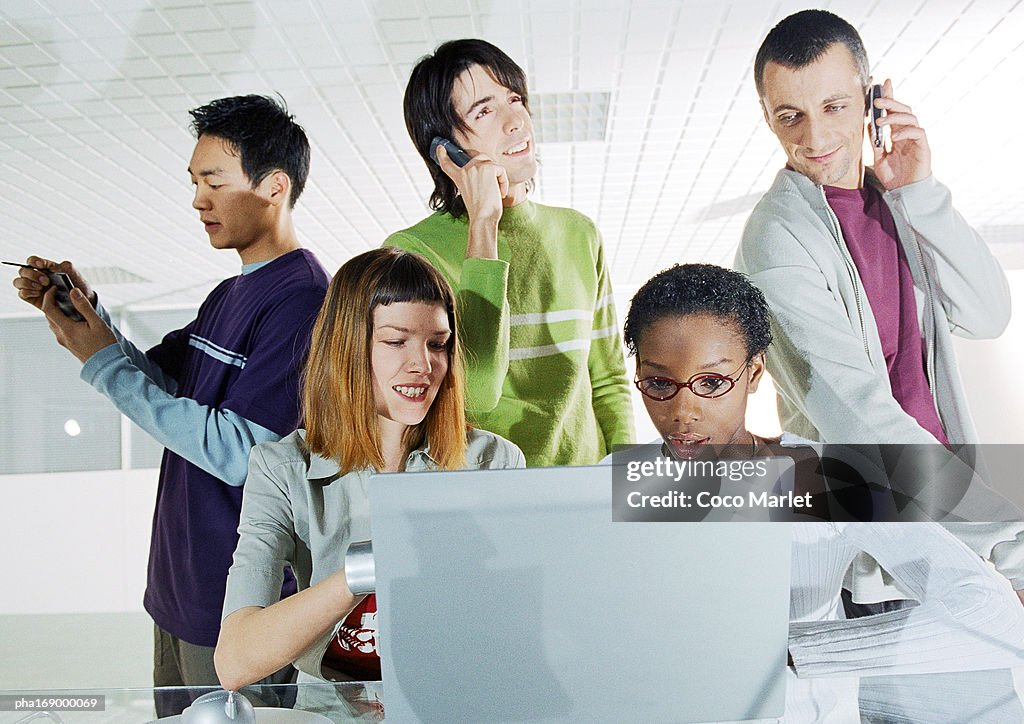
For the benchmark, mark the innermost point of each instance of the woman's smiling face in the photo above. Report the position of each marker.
(409, 359)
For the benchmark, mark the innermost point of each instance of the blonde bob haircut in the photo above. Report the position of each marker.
(337, 388)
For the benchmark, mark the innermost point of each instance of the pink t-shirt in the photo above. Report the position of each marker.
(870, 234)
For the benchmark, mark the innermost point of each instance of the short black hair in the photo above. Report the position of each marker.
(700, 289)
(262, 132)
(430, 110)
(802, 38)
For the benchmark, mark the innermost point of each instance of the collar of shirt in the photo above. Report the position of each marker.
(321, 468)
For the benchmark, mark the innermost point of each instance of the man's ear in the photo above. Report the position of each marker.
(765, 112)
(278, 188)
(756, 372)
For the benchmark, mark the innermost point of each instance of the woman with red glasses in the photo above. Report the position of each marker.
(699, 334)
(703, 331)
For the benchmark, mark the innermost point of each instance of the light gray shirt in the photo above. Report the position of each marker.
(298, 511)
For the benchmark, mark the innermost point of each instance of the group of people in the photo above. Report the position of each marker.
(485, 336)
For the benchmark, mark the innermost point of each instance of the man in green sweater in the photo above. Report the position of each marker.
(545, 367)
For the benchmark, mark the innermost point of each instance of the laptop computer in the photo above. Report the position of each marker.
(510, 595)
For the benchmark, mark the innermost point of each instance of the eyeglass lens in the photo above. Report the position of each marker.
(707, 385)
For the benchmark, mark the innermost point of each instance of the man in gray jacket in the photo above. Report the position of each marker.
(848, 255)
(868, 271)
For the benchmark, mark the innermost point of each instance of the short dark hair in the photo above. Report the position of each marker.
(700, 289)
(262, 132)
(802, 38)
(429, 110)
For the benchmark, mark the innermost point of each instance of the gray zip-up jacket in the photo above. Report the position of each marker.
(826, 358)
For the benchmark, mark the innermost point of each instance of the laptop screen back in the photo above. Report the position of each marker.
(511, 595)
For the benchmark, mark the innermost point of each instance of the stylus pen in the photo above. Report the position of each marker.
(24, 266)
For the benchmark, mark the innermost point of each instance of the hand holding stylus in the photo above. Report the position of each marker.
(33, 281)
(83, 339)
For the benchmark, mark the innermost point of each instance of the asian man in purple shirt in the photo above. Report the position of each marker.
(228, 380)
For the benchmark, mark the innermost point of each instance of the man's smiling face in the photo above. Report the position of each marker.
(498, 125)
(817, 113)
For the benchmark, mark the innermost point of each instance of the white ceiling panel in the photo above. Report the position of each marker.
(94, 100)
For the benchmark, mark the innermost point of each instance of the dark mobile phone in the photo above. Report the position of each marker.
(459, 157)
(874, 114)
(62, 282)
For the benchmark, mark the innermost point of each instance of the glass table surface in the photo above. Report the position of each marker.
(976, 696)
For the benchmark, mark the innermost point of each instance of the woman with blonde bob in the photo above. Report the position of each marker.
(382, 392)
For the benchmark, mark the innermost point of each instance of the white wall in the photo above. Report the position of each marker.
(71, 604)
(990, 370)
(76, 542)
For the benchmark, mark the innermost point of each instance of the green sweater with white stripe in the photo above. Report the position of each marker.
(544, 362)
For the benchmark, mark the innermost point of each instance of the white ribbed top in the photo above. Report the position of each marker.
(968, 617)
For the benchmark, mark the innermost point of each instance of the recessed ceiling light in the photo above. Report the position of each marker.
(570, 117)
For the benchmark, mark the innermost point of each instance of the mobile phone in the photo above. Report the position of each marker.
(62, 282)
(874, 114)
(459, 157)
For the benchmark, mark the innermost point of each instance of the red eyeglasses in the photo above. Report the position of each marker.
(708, 385)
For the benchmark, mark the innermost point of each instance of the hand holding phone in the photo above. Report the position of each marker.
(459, 157)
(482, 188)
(62, 283)
(874, 114)
(908, 157)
